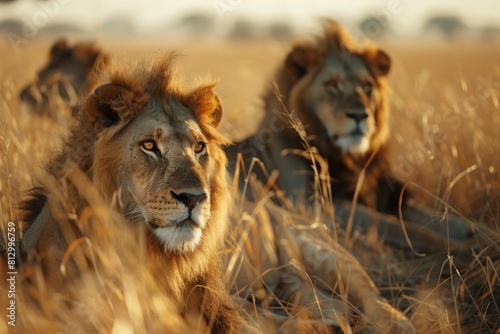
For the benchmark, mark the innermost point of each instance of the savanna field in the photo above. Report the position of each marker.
(445, 125)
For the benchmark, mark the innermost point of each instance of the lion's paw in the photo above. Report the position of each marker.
(386, 319)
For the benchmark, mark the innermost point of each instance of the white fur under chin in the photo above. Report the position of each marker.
(183, 239)
(354, 145)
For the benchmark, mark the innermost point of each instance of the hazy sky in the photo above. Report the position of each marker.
(405, 15)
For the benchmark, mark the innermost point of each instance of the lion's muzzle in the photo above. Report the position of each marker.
(179, 217)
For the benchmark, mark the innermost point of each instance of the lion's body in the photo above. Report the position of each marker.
(69, 73)
(151, 152)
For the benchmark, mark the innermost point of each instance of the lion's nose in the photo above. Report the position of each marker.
(357, 115)
(189, 200)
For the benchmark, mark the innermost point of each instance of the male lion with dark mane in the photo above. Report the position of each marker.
(68, 73)
(335, 93)
(150, 150)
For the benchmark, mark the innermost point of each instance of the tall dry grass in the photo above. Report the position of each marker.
(445, 121)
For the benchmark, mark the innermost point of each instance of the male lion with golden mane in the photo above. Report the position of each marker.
(335, 93)
(152, 151)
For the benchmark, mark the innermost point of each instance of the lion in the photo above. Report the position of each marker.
(69, 73)
(336, 96)
(150, 150)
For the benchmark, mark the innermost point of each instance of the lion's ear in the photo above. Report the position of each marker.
(379, 62)
(299, 60)
(100, 110)
(218, 111)
(206, 105)
(58, 47)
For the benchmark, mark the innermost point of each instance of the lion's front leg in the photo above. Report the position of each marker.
(222, 314)
(448, 225)
(319, 310)
(333, 267)
(229, 320)
(391, 230)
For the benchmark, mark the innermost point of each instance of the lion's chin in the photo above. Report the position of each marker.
(353, 144)
(181, 238)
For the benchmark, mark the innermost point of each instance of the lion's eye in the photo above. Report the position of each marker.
(148, 145)
(199, 147)
(150, 148)
(333, 86)
(367, 88)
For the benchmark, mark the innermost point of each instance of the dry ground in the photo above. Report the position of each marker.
(445, 126)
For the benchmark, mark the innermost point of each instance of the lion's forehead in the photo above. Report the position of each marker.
(161, 125)
(351, 67)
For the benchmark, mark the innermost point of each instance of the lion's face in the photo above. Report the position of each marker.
(161, 165)
(169, 163)
(339, 99)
